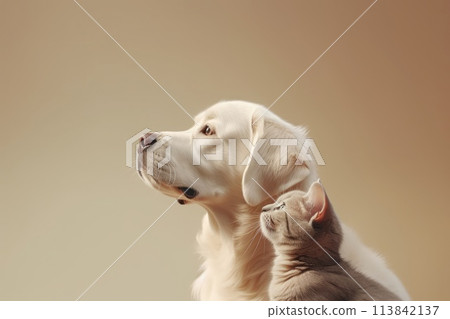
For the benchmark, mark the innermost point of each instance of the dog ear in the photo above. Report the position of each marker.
(278, 172)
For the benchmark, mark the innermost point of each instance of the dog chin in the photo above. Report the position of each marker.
(165, 188)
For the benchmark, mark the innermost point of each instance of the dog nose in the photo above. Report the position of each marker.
(149, 139)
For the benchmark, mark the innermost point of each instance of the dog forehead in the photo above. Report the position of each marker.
(229, 110)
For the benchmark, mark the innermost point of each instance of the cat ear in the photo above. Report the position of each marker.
(316, 203)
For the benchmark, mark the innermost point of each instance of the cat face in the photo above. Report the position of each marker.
(296, 217)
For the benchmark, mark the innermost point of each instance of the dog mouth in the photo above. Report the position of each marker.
(162, 177)
(188, 192)
(174, 191)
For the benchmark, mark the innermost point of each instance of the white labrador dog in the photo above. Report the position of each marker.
(228, 178)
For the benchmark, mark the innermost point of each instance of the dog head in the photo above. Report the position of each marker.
(236, 150)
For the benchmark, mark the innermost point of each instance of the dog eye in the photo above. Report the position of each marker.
(207, 130)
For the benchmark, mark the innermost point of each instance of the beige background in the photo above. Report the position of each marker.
(376, 104)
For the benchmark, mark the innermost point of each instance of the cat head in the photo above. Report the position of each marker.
(297, 218)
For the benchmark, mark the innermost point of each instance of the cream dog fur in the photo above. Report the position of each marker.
(237, 259)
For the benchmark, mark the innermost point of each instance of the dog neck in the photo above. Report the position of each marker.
(235, 250)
